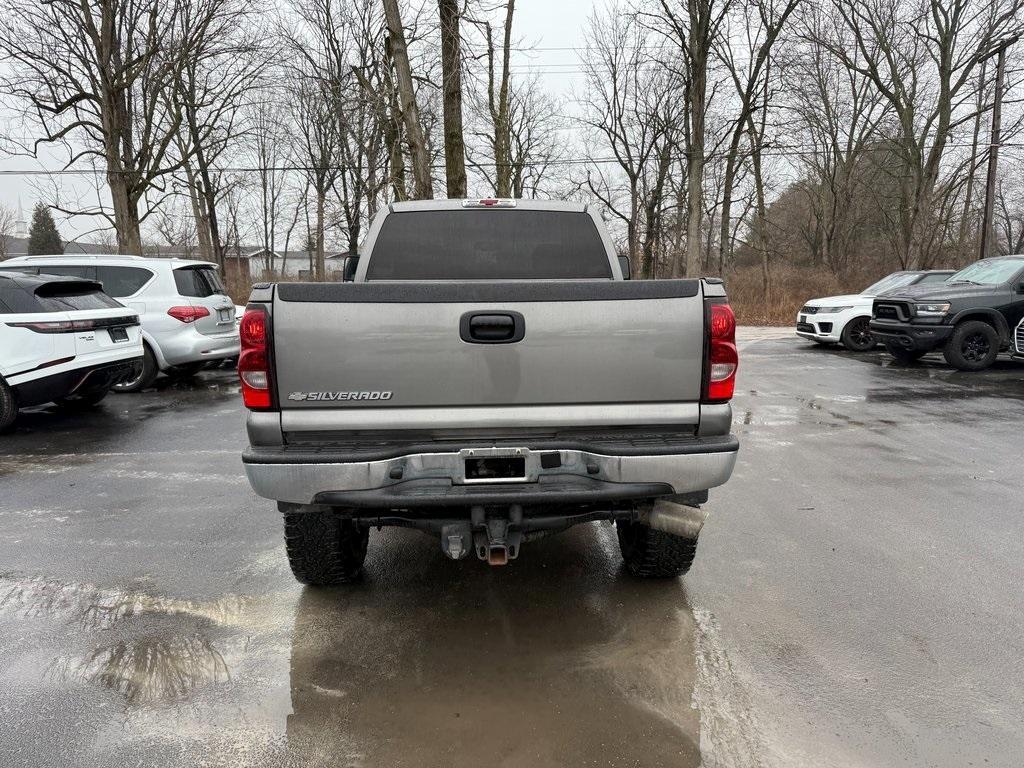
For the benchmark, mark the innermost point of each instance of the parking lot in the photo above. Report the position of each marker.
(856, 598)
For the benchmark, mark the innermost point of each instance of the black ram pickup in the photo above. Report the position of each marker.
(970, 317)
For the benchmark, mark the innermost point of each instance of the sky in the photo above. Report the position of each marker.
(554, 28)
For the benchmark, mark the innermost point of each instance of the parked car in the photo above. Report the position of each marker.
(62, 340)
(491, 377)
(969, 318)
(846, 319)
(187, 318)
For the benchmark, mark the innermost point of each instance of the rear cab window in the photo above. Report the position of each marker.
(198, 282)
(488, 245)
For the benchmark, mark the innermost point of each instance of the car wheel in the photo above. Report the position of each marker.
(8, 406)
(857, 336)
(903, 355)
(145, 373)
(973, 346)
(81, 401)
(323, 549)
(654, 554)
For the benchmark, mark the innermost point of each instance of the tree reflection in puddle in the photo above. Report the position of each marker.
(149, 670)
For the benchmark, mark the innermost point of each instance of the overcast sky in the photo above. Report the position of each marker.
(554, 27)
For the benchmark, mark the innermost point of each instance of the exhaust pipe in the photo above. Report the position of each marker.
(677, 519)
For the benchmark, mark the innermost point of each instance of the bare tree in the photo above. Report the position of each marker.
(631, 107)
(451, 73)
(694, 31)
(498, 105)
(922, 59)
(90, 75)
(7, 222)
(406, 91)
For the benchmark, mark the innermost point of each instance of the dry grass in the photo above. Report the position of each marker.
(791, 288)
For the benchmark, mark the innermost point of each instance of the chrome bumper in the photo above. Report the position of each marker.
(301, 483)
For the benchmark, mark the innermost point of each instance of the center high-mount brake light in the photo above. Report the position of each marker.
(188, 314)
(490, 202)
(723, 359)
(253, 364)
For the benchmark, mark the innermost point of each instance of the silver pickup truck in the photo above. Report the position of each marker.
(489, 376)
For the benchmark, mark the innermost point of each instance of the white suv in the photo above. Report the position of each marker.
(187, 318)
(62, 340)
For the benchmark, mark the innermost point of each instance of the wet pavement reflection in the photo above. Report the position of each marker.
(855, 601)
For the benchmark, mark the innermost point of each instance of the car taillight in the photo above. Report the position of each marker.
(723, 359)
(60, 326)
(253, 364)
(188, 314)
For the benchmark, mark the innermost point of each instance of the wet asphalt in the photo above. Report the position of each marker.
(856, 599)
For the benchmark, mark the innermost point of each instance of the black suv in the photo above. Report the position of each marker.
(971, 316)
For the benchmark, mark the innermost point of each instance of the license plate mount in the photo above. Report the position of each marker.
(118, 335)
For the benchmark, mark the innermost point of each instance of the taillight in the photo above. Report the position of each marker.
(188, 314)
(70, 326)
(723, 359)
(253, 364)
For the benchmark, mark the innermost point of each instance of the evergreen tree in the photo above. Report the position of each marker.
(43, 237)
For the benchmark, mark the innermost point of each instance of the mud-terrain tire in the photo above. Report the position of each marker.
(323, 549)
(8, 406)
(902, 355)
(146, 375)
(652, 554)
(82, 401)
(973, 346)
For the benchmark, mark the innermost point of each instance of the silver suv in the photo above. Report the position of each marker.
(187, 318)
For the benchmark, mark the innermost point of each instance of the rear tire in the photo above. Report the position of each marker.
(856, 335)
(8, 406)
(146, 373)
(324, 550)
(902, 355)
(973, 346)
(82, 401)
(652, 554)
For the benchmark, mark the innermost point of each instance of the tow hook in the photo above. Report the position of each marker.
(497, 539)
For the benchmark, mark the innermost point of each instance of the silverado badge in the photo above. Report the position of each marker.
(331, 396)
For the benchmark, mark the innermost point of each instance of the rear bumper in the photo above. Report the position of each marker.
(190, 346)
(564, 476)
(49, 388)
(910, 336)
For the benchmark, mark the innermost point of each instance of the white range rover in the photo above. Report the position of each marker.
(187, 318)
(62, 340)
(846, 319)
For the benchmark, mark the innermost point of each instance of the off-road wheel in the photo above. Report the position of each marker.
(82, 401)
(323, 549)
(654, 554)
(857, 336)
(8, 406)
(973, 346)
(144, 375)
(902, 355)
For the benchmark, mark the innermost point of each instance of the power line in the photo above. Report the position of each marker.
(773, 151)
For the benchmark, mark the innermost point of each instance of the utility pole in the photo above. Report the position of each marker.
(987, 225)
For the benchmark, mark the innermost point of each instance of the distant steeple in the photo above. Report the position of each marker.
(21, 223)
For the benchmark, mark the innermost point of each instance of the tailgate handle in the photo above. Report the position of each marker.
(492, 327)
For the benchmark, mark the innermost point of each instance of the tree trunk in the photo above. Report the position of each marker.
(451, 74)
(502, 141)
(319, 268)
(422, 181)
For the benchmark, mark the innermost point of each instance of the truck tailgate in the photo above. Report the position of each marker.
(347, 346)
